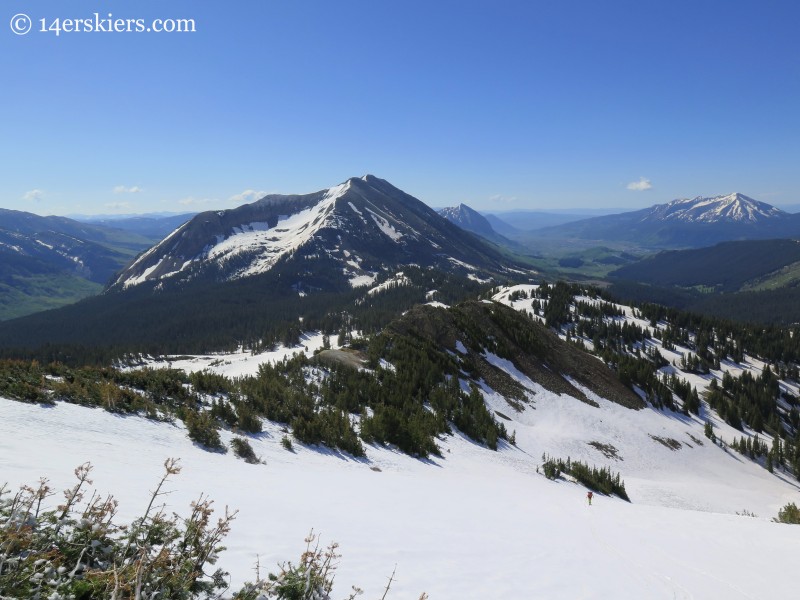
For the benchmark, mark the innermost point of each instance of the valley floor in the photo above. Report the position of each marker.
(474, 524)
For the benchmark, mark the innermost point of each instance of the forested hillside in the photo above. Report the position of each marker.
(680, 361)
(429, 371)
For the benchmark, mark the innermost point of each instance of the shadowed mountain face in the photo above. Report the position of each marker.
(686, 223)
(726, 267)
(470, 220)
(352, 232)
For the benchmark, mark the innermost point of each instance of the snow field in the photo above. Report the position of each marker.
(243, 362)
(471, 525)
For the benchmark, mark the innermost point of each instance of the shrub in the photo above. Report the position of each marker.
(243, 449)
(599, 480)
(76, 551)
(789, 514)
(248, 420)
(286, 442)
(310, 579)
(203, 430)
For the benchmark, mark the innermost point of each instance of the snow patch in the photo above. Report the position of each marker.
(455, 261)
(241, 363)
(385, 226)
(363, 280)
(398, 280)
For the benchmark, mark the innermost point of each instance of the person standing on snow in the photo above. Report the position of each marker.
(589, 497)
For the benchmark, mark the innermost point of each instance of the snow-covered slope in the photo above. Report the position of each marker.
(521, 298)
(355, 230)
(473, 525)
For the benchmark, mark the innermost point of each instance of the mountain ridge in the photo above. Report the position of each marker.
(360, 228)
(471, 220)
(46, 262)
(697, 222)
(734, 207)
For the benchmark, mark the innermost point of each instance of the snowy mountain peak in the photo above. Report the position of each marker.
(471, 220)
(734, 207)
(353, 230)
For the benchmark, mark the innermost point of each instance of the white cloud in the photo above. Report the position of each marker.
(121, 189)
(640, 186)
(33, 196)
(247, 196)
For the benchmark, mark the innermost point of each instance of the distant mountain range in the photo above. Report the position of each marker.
(521, 221)
(152, 227)
(355, 236)
(46, 262)
(686, 223)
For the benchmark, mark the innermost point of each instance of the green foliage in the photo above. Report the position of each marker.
(556, 311)
(286, 442)
(599, 480)
(708, 430)
(419, 397)
(24, 294)
(328, 426)
(310, 579)
(789, 514)
(247, 419)
(190, 318)
(726, 267)
(243, 449)
(23, 380)
(203, 430)
(76, 550)
(552, 469)
(208, 382)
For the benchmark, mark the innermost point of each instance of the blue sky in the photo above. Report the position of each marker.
(501, 105)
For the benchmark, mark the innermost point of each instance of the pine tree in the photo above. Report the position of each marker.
(709, 431)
